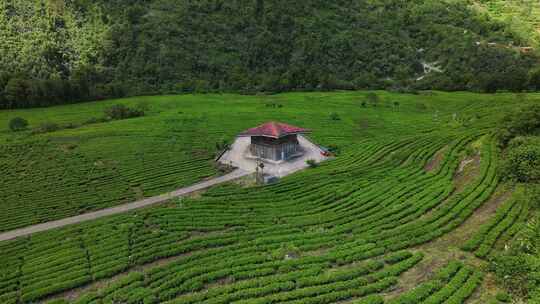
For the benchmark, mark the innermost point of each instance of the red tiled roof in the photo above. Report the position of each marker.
(273, 129)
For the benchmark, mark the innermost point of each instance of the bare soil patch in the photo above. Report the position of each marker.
(468, 170)
(435, 161)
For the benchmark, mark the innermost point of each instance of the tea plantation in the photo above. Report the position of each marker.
(409, 171)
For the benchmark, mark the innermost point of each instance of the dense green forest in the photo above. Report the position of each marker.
(58, 51)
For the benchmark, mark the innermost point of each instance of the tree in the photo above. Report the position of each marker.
(259, 9)
(17, 92)
(18, 124)
(534, 79)
(4, 79)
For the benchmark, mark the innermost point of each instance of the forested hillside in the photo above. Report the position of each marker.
(57, 51)
(523, 16)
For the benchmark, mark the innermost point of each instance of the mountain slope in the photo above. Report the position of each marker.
(88, 50)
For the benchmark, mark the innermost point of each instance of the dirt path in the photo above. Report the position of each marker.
(122, 208)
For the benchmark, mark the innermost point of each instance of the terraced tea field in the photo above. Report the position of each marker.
(410, 171)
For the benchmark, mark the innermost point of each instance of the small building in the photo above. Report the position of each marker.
(273, 149)
(274, 141)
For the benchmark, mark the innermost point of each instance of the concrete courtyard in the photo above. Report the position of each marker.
(239, 157)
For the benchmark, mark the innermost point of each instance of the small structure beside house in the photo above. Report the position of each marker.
(526, 49)
(277, 149)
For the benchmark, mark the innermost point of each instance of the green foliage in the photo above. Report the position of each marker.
(18, 124)
(334, 149)
(522, 162)
(452, 284)
(58, 301)
(513, 272)
(503, 297)
(534, 79)
(311, 163)
(66, 51)
(523, 17)
(334, 116)
(121, 111)
(372, 299)
(505, 224)
(521, 122)
(397, 257)
(222, 144)
(516, 267)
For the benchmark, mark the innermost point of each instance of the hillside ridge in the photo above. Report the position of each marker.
(61, 51)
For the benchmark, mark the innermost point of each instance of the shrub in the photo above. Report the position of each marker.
(93, 120)
(18, 124)
(311, 163)
(334, 149)
(525, 121)
(522, 163)
(70, 126)
(371, 299)
(512, 272)
(48, 127)
(58, 301)
(222, 144)
(503, 297)
(397, 257)
(121, 111)
(335, 116)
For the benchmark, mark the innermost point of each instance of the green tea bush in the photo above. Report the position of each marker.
(121, 111)
(18, 124)
(503, 297)
(373, 299)
(397, 257)
(47, 127)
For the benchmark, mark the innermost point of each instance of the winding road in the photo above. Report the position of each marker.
(9, 235)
